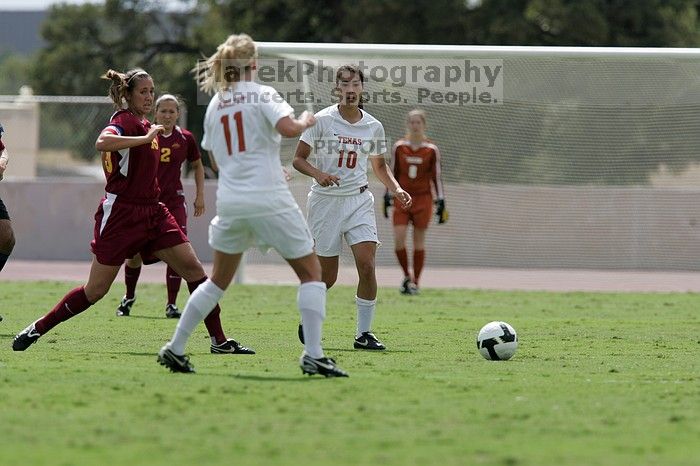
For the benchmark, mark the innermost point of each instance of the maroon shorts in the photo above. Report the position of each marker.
(419, 214)
(124, 229)
(178, 208)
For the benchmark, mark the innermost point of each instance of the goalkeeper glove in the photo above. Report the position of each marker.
(387, 204)
(441, 213)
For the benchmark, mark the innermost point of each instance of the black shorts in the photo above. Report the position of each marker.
(3, 211)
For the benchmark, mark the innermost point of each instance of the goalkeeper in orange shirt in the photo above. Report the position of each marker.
(416, 165)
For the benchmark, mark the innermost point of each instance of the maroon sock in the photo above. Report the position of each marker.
(418, 261)
(71, 305)
(131, 278)
(172, 282)
(402, 256)
(213, 320)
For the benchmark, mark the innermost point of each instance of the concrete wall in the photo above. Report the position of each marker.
(497, 226)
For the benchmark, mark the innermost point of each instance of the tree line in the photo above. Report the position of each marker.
(167, 38)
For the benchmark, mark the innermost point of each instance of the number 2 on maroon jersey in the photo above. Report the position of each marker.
(238, 116)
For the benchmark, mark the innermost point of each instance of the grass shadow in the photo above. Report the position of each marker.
(275, 378)
(350, 350)
(130, 353)
(147, 317)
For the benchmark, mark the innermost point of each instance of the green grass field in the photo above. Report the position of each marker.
(598, 379)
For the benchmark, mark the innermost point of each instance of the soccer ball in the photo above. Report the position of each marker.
(497, 341)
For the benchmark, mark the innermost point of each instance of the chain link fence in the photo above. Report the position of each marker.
(68, 127)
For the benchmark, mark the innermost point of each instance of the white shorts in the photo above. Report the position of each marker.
(333, 217)
(284, 229)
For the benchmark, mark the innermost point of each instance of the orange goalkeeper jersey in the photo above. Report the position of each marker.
(416, 167)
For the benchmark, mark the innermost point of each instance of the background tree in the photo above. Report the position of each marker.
(14, 71)
(85, 40)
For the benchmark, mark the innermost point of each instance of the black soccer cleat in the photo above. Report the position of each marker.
(300, 333)
(408, 287)
(321, 366)
(0, 318)
(25, 338)
(368, 341)
(174, 362)
(231, 346)
(172, 312)
(124, 308)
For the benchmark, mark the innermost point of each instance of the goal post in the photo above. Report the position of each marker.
(552, 157)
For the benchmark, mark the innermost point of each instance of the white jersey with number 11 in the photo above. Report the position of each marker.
(239, 128)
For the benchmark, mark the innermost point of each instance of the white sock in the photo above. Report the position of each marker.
(202, 301)
(311, 300)
(365, 314)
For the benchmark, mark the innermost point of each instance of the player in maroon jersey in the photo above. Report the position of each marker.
(7, 236)
(176, 145)
(130, 219)
(416, 162)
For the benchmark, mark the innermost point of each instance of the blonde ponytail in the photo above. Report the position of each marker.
(232, 58)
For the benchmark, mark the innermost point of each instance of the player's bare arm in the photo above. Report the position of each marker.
(395, 170)
(108, 141)
(291, 128)
(383, 172)
(302, 164)
(212, 163)
(394, 164)
(198, 168)
(441, 212)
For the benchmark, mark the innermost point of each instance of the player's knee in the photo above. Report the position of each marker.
(313, 270)
(135, 262)
(329, 283)
(329, 280)
(365, 269)
(193, 271)
(310, 274)
(96, 292)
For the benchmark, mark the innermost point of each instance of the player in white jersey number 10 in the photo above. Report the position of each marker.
(340, 206)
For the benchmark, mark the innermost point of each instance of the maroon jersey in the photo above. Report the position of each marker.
(2, 146)
(415, 168)
(132, 173)
(179, 146)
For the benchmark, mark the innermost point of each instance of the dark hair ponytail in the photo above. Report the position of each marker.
(122, 84)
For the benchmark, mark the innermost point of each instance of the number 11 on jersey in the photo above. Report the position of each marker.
(238, 117)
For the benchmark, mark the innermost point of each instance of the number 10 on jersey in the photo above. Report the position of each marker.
(350, 161)
(238, 118)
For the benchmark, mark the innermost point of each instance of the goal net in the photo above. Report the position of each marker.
(551, 157)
